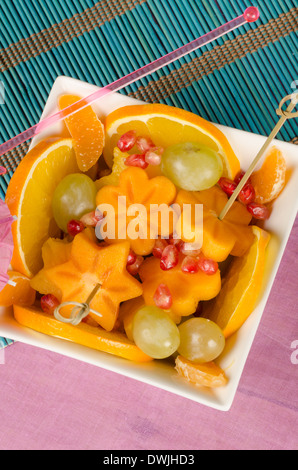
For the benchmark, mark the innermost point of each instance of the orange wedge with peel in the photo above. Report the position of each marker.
(167, 125)
(241, 287)
(84, 334)
(208, 374)
(87, 131)
(29, 198)
(21, 293)
(270, 179)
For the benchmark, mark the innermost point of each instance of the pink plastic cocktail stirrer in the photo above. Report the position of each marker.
(250, 15)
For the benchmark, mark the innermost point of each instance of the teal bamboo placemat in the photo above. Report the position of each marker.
(237, 81)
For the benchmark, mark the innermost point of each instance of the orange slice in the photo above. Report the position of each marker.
(241, 287)
(87, 131)
(202, 375)
(93, 337)
(29, 198)
(270, 180)
(21, 293)
(167, 125)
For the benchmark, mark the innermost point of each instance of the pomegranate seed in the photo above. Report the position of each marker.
(227, 185)
(133, 269)
(208, 266)
(74, 227)
(247, 194)
(163, 297)
(144, 144)
(92, 219)
(170, 258)
(190, 265)
(127, 141)
(239, 177)
(160, 245)
(132, 258)
(179, 244)
(153, 156)
(136, 160)
(190, 249)
(258, 211)
(49, 303)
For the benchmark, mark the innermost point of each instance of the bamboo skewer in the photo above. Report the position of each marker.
(80, 310)
(285, 115)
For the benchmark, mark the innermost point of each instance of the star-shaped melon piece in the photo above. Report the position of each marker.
(91, 265)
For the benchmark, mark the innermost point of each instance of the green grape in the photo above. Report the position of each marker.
(74, 196)
(192, 166)
(201, 340)
(155, 333)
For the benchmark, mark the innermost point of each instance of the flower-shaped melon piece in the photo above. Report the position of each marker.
(232, 235)
(187, 289)
(134, 201)
(91, 265)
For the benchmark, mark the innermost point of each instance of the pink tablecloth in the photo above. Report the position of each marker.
(48, 401)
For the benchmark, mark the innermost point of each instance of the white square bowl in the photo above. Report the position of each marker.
(161, 374)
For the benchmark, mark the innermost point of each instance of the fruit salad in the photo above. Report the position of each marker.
(123, 216)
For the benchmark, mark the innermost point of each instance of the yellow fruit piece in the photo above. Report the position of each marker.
(118, 167)
(21, 294)
(29, 198)
(127, 312)
(167, 125)
(85, 334)
(87, 131)
(55, 251)
(202, 375)
(270, 180)
(241, 287)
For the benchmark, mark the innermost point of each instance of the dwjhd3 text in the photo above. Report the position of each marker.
(166, 460)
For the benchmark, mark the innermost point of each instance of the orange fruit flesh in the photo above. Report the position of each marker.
(93, 337)
(241, 287)
(202, 375)
(22, 293)
(87, 131)
(167, 125)
(270, 179)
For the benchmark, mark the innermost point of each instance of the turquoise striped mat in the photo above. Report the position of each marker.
(237, 81)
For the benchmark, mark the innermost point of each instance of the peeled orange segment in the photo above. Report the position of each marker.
(167, 125)
(21, 293)
(29, 198)
(93, 337)
(241, 287)
(87, 131)
(270, 180)
(202, 375)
